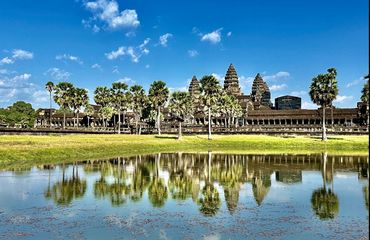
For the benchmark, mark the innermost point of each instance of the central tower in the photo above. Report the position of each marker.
(231, 84)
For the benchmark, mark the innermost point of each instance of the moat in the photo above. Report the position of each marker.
(189, 196)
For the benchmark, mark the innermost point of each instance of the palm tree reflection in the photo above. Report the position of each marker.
(324, 201)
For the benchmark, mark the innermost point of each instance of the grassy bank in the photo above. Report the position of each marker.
(19, 150)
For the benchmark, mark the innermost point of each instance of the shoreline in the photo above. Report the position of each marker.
(20, 150)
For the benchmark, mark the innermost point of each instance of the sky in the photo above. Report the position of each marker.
(97, 42)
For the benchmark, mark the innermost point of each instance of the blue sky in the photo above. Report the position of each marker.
(94, 43)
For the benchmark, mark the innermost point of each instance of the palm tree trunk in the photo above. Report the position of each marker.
(180, 134)
(78, 120)
(64, 120)
(88, 121)
(119, 121)
(50, 111)
(209, 123)
(323, 124)
(159, 120)
(136, 123)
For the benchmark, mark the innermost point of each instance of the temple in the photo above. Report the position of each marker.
(259, 115)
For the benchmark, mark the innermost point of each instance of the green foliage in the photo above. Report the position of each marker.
(79, 99)
(102, 96)
(324, 88)
(325, 204)
(158, 94)
(121, 99)
(63, 94)
(365, 93)
(19, 114)
(181, 104)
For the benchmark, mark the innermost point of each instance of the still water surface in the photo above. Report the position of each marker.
(189, 196)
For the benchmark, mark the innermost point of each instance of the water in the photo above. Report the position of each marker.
(189, 196)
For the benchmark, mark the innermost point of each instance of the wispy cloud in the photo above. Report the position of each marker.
(229, 34)
(126, 80)
(67, 57)
(277, 76)
(107, 12)
(308, 105)
(135, 53)
(212, 37)
(341, 99)
(22, 54)
(6, 60)
(193, 53)
(278, 87)
(298, 93)
(96, 66)
(58, 74)
(163, 40)
(355, 82)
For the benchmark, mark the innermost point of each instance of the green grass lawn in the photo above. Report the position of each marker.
(25, 150)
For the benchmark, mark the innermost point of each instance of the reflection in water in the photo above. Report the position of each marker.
(69, 188)
(200, 177)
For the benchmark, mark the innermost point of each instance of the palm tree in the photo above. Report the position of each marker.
(139, 100)
(119, 97)
(89, 111)
(50, 88)
(180, 106)
(365, 99)
(211, 89)
(158, 95)
(102, 97)
(230, 106)
(63, 96)
(323, 91)
(79, 99)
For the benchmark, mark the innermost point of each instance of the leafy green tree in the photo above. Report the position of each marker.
(20, 113)
(120, 100)
(106, 113)
(79, 99)
(211, 90)
(103, 97)
(139, 101)
(231, 108)
(323, 91)
(158, 96)
(180, 106)
(49, 86)
(63, 95)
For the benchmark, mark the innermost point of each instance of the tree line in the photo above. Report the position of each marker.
(120, 98)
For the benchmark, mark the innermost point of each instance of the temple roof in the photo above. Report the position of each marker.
(231, 83)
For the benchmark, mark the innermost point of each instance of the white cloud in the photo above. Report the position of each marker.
(21, 77)
(22, 54)
(193, 53)
(6, 60)
(164, 39)
(107, 11)
(96, 66)
(135, 53)
(212, 37)
(355, 82)
(341, 99)
(278, 87)
(229, 34)
(218, 76)
(126, 80)
(69, 58)
(246, 83)
(147, 66)
(298, 93)
(308, 105)
(115, 70)
(58, 74)
(277, 76)
(40, 96)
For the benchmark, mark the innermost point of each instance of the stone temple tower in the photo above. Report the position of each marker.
(194, 87)
(231, 84)
(260, 92)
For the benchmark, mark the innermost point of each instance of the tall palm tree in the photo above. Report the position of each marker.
(323, 91)
(79, 99)
(119, 97)
(102, 97)
(211, 90)
(139, 100)
(365, 99)
(180, 106)
(89, 111)
(50, 88)
(158, 96)
(63, 97)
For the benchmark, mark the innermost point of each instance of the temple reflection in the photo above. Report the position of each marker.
(205, 179)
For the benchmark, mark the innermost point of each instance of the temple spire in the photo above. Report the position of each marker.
(231, 84)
